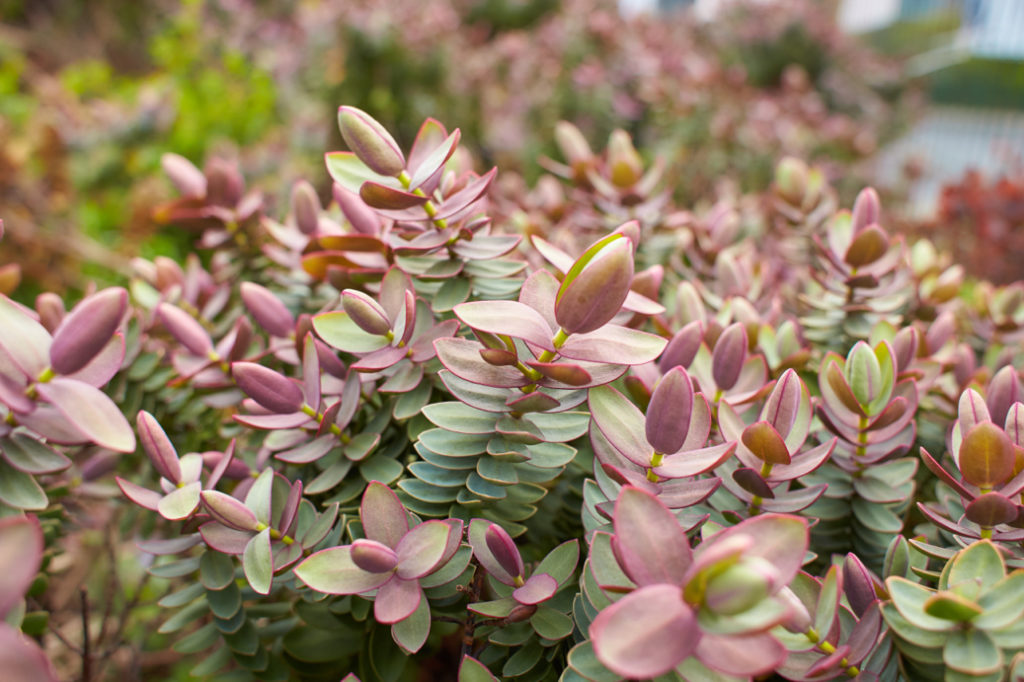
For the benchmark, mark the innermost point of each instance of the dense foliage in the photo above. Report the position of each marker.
(450, 427)
(92, 95)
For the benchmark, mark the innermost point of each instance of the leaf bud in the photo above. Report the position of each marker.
(791, 180)
(305, 207)
(504, 550)
(373, 556)
(740, 587)
(267, 309)
(864, 373)
(669, 412)
(365, 312)
(158, 447)
(729, 355)
(624, 162)
(185, 329)
(370, 141)
(596, 286)
(986, 458)
(867, 209)
(183, 174)
(51, 311)
(224, 184)
(87, 329)
(229, 511)
(573, 145)
(271, 390)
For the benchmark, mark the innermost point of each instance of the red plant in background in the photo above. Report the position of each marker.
(984, 222)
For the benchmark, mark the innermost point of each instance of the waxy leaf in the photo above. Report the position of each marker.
(258, 562)
(91, 412)
(646, 633)
(986, 457)
(87, 329)
(370, 141)
(271, 390)
(383, 516)
(267, 309)
(649, 541)
(507, 317)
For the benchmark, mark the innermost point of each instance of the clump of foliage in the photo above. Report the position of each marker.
(393, 436)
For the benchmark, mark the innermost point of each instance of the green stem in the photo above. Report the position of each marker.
(319, 417)
(429, 206)
(827, 648)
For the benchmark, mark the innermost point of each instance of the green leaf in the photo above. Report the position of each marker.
(379, 468)
(951, 606)
(212, 663)
(551, 624)
(216, 570)
(828, 601)
(258, 562)
(385, 659)
(583, 660)
(972, 651)
(411, 633)
(175, 569)
(339, 331)
(180, 503)
(452, 444)
(560, 563)
(523, 661)
(498, 608)
(925, 639)
(453, 292)
(460, 418)
(197, 641)
(560, 427)
(225, 603)
(187, 615)
(31, 456)
(1003, 603)
(20, 490)
(182, 596)
(980, 563)
(910, 598)
(472, 670)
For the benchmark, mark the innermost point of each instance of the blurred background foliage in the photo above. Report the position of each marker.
(92, 94)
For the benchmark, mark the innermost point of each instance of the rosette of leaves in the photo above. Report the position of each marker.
(872, 414)
(616, 181)
(985, 503)
(50, 390)
(968, 628)
(214, 203)
(837, 630)
(862, 280)
(413, 212)
(664, 452)
(727, 371)
(180, 477)
(394, 563)
(769, 459)
(391, 337)
(692, 614)
(520, 380)
(802, 201)
(241, 632)
(531, 612)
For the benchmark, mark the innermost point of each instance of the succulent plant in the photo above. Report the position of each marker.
(966, 628)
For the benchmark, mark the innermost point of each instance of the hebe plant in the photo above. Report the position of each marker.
(682, 448)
